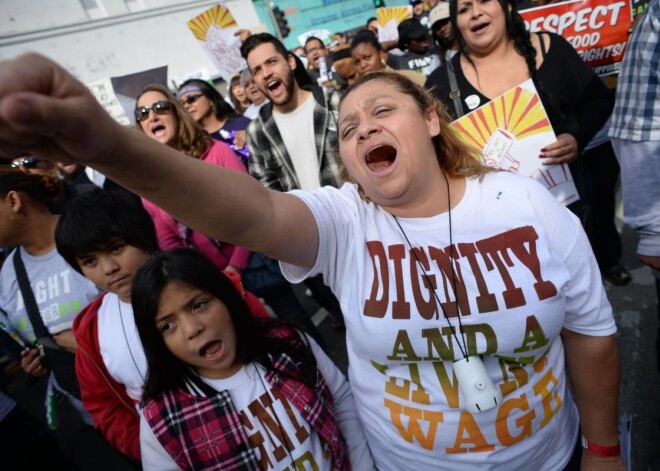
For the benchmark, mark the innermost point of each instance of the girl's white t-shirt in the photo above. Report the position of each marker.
(267, 416)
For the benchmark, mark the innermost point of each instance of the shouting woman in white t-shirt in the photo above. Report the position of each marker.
(437, 263)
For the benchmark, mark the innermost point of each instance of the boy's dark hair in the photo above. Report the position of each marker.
(262, 38)
(189, 268)
(95, 219)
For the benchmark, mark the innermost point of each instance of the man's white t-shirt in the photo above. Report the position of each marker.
(297, 131)
(523, 270)
(120, 345)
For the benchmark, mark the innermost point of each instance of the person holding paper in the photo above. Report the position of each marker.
(496, 53)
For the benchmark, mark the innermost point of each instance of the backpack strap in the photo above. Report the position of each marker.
(28, 296)
(454, 91)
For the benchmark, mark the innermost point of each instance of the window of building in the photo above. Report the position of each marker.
(94, 9)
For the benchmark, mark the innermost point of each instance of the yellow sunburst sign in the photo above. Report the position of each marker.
(510, 131)
(519, 111)
(214, 29)
(216, 15)
(398, 14)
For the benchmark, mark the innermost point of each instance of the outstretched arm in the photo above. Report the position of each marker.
(51, 114)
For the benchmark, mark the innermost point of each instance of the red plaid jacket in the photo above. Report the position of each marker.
(201, 429)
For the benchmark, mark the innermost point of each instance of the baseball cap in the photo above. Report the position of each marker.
(411, 29)
(415, 2)
(438, 13)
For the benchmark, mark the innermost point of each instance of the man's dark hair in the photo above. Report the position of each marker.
(94, 220)
(313, 38)
(259, 39)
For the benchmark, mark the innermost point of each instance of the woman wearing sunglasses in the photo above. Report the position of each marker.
(162, 117)
(159, 115)
(214, 114)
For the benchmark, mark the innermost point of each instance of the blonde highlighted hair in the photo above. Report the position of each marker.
(191, 139)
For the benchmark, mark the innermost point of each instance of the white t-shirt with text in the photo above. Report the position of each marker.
(59, 291)
(523, 270)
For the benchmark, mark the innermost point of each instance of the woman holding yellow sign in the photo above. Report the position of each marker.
(496, 53)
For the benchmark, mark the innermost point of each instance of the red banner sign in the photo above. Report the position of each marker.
(597, 30)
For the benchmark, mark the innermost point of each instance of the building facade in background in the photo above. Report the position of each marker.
(96, 39)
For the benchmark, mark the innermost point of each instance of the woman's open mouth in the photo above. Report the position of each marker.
(479, 28)
(380, 157)
(211, 350)
(157, 130)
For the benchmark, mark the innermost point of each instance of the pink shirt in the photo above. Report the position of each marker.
(171, 234)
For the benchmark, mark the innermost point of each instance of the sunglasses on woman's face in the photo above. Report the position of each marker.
(26, 162)
(159, 107)
(189, 100)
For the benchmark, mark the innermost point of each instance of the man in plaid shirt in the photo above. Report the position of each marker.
(283, 158)
(293, 141)
(635, 133)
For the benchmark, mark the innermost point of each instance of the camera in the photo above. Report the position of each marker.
(42, 351)
(478, 390)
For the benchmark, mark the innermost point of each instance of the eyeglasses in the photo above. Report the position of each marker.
(26, 162)
(160, 107)
(314, 49)
(189, 100)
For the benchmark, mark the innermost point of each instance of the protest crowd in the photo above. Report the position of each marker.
(149, 319)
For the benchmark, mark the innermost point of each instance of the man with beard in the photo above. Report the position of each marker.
(293, 139)
(441, 32)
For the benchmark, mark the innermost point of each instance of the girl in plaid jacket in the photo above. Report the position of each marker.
(228, 391)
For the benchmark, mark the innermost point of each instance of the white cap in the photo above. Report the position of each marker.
(439, 12)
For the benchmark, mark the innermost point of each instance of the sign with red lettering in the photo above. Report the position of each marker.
(597, 30)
